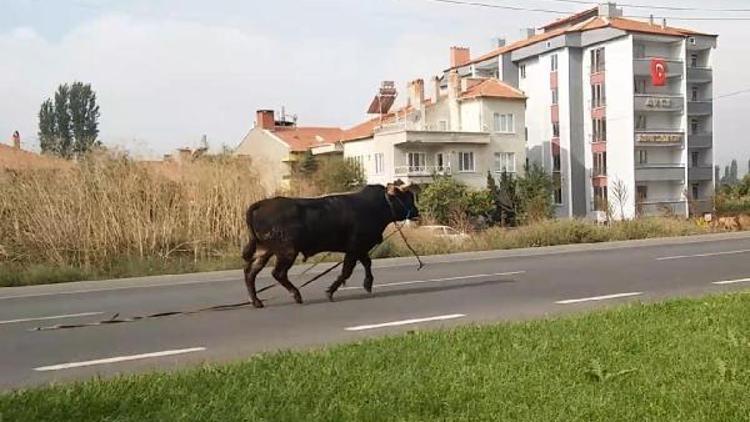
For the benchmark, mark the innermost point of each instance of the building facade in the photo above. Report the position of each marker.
(618, 111)
(472, 126)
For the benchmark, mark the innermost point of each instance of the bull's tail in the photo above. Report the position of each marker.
(248, 252)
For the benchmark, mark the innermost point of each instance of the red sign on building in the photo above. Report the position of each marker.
(658, 72)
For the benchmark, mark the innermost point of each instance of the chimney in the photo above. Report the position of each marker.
(454, 91)
(416, 93)
(264, 119)
(651, 20)
(609, 10)
(664, 23)
(460, 56)
(527, 33)
(498, 42)
(469, 82)
(436, 88)
(16, 140)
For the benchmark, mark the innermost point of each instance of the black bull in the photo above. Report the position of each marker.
(350, 223)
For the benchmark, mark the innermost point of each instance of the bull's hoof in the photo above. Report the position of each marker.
(368, 285)
(329, 294)
(298, 297)
(257, 304)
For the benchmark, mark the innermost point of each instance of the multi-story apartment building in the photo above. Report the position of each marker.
(472, 126)
(619, 111)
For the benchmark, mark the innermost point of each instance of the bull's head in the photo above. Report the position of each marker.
(402, 202)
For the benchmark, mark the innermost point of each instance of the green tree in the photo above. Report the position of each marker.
(338, 175)
(733, 175)
(534, 193)
(308, 165)
(69, 125)
(442, 198)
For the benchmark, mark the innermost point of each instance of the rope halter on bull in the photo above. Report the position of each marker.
(390, 192)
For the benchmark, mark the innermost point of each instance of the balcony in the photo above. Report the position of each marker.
(700, 108)
(659, 138)
(642, 67)
(701, 140)
(425, 171)
(427, 138)
(699, 74)
(667, 103)
(659, 172)
(662, 207)
(700, 173)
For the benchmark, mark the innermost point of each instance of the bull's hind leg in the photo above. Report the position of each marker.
(367, 263)
(281, 274)
(253, 266)
(349, 262)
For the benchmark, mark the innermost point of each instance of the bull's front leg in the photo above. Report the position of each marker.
(367, 263)
(350, 261)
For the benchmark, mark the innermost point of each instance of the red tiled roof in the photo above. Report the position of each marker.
(598, 22)
(301, 139)
(492, 88)
(588, 13)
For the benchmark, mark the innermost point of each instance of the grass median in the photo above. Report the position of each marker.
(680, 360)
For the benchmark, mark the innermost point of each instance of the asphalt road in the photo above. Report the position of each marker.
(452, 289)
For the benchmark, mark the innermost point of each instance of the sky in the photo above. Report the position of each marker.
(168, 71)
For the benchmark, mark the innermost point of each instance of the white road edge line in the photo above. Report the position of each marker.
(596, 298)
(703, 255)
(82, 314)
(117, 359)
(435, 280)
(404, 322)
(741, 280)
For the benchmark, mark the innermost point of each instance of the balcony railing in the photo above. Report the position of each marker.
(661, 207)
(699, 74)
(659, 137)
(642, 67)
(422, 170)
(646, 102)
(700, 173)
(659, 172)
(700, 108)
(701, 140)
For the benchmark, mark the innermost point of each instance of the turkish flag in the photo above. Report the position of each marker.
(658, 72)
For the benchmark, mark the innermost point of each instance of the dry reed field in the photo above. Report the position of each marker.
(106, 209)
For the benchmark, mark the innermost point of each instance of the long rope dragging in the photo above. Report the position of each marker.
(115, 319)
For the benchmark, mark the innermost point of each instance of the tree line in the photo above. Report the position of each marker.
(69, 121)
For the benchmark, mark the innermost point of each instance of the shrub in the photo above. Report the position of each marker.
(534, 195)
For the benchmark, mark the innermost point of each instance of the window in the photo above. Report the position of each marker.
(440, 162)
(695, 158)
(694, 126)
(641, 122)
(443, 125)
(694, 94)
(640, 86)
(553, 62)
(600, 198)
(641, 192)
(597, 60)
(505, 162)
(523, 71)
(693, 60)
(600, 164)
(696, 191)
(599, 127)
(557, 183)
(642, 156)
(639, 50)
(555, 94)
(379, 163)
(465, 161)
(598, 98)
(504, 123)
(526, 133)
(556, 163)
(555, 129)
(417, 161)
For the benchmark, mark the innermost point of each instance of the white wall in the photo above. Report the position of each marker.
(267, 153)
(620, 124)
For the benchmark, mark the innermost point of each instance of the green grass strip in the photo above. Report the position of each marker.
(682, 360)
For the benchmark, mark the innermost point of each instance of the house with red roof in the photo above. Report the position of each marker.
(276, 145)
(473, 126)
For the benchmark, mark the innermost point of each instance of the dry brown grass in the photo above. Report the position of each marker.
(109, 208)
